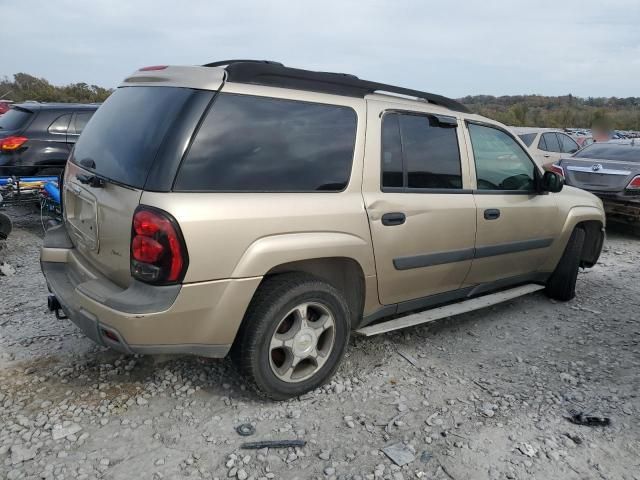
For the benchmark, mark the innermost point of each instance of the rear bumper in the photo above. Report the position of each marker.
(198, 319)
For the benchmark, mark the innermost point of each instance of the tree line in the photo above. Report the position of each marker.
(559, 112)
(25, 87)
(517, 110)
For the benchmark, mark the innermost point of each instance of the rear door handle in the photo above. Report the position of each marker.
(491, 214)
(393, 218)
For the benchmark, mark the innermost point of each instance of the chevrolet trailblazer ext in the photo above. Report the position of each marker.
(247, 208)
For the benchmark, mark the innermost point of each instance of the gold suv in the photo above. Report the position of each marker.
(266, 212)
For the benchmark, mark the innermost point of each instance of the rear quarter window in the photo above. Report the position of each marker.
(528, 138)
(260, 144)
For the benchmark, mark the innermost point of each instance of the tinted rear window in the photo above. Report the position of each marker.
(126, 132)
(249, 143)
(611, 151)
(14, 119)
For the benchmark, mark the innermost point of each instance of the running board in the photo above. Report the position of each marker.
(449, 310)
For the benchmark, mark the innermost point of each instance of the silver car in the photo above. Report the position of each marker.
(610, 170)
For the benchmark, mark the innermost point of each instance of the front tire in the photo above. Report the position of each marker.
(293, 336)
(562, 283)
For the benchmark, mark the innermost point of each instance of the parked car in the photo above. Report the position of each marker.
(36, 138)
(264, 211)
(547, 145)
(5, 105)
(584, 141)
(610, 170)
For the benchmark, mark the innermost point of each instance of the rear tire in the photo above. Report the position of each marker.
(562, 283)
(293, 336)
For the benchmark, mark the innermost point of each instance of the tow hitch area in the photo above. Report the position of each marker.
(54, 306)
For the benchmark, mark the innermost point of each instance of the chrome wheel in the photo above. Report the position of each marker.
(302, 342)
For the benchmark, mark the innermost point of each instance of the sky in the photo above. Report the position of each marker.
(453, 48)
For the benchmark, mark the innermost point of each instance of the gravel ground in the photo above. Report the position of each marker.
(482, 395)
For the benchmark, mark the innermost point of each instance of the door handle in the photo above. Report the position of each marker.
(393, 218)
(546, 155)
(491, 214)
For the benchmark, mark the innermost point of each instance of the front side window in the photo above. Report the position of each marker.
(260, 144)
(567, 144)
(420, 152)
(549, 142)
(60, 124)
(501, 163)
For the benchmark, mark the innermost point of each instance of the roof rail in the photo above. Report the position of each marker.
(274, 74)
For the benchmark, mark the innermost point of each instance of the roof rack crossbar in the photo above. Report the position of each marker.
(274, 74)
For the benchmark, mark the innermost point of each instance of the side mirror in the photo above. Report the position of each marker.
(552, 182)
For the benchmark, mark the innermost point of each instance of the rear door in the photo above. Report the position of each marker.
(549, 151)
(421, 210)
(516, 225)
(110, 165)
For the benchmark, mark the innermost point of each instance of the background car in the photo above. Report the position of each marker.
(5, 105)
(36, 138)
(610, 170)
(547, 145)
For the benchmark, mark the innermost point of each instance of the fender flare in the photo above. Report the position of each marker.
(268, 252)
(575, 215)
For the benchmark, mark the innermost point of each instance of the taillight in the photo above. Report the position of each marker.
(557, 169)
(634, 184)
(12, 143)
(158, 251)
(152, 68)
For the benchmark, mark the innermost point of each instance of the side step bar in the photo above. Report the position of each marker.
(449, 310)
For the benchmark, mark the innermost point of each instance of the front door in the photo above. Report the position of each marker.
(516, 224)
(419, 203)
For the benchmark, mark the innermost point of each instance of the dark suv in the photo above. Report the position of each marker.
(36, 138)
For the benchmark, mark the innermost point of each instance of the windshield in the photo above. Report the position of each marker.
(611, 151)
(14, 119)
(121, 140)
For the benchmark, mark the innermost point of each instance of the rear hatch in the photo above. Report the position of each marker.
(14, 121)
(109, 168)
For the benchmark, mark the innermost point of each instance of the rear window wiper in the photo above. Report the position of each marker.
(91, 180)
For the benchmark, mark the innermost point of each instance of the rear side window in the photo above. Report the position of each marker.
(126, 132)
(528, 138)
(260, 144)
(60, 125)
(392, 163)
(14, 119)
(429, 153)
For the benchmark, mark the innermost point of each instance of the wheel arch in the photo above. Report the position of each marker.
(343, 273)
